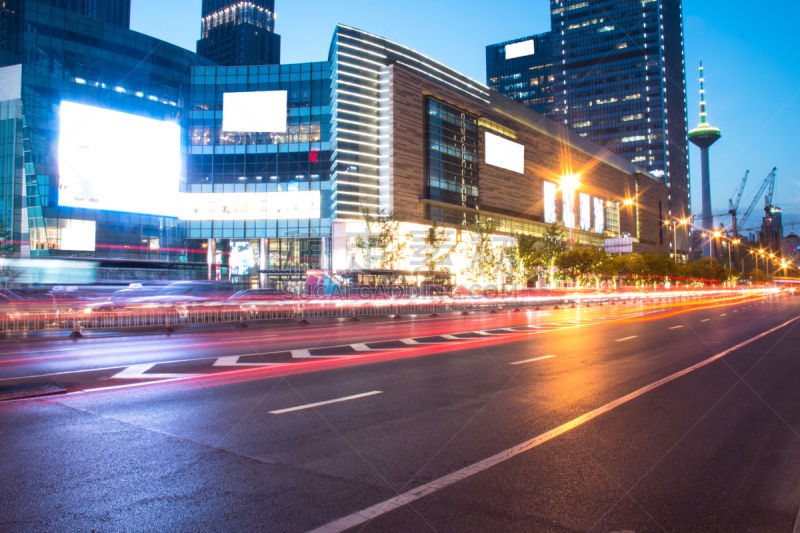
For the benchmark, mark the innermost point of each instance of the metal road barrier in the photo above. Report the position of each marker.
(168, 318)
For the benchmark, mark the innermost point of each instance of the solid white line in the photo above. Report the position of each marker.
(627, 338)
(675, 327)
(530, 360)
(310, 405)
(415, 494)
(706, 320)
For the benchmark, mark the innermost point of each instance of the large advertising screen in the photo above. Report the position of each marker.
(514, 50)
(118, 162)
(256, 112)
(505, 154)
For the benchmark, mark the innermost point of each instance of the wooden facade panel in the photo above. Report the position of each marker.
(502, 191)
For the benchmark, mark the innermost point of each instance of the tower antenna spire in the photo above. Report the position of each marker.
(703, 136)
(702, 97)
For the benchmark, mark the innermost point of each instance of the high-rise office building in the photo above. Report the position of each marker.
(239, 32)
(618, 79)
(116, 12)
(522, 70)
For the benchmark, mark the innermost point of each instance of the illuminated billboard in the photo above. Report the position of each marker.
(117, 161)
(286, 205)
(255, 112)
(505, 154)
(525, 48)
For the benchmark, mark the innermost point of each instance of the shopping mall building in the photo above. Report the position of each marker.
(116, 145)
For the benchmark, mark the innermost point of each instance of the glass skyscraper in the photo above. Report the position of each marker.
(239, 33)
(527, 79)
(617, 79)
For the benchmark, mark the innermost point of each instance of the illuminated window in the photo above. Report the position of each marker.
(586, 212)
(599, 222)
(568, 200)
(612, 218)
(550, 216)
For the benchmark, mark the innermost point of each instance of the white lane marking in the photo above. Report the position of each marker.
(627, 338)
(410, 342)
(361, 347)
(138, 372)
(233, 360)
(675, 327)
(412, 495)
(723, 314)
(531, 360)
(452, 338)
(706, 320)
(310, 405)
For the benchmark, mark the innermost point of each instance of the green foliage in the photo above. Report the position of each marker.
(585, 266)
(435, 238)
(383, 243)
(548, 248)
(758, 276)
(486, 256)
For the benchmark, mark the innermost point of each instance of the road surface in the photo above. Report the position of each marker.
(682, 416)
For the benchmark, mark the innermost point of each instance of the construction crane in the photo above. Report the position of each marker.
(769, 209)
(769, 181)
(733, 207)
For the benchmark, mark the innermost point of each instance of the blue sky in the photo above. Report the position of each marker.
(749, 52)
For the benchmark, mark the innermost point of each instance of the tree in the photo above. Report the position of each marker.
(583, 265)
(435, 238)
(548, 249)
(486, 256)
(758, 276)
(383, 238)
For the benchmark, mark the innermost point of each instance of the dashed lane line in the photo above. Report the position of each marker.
(675, 327)
(360, 517)
(311, 405)
(706, 320)
(627, 338)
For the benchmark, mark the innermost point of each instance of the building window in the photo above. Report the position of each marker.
(612, 218)
(568, 201)
(599, 219)
(452, 155)
(550, 216)
(586, 212)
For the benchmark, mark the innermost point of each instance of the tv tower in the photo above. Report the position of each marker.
(703, 136)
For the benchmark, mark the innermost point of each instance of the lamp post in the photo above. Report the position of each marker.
(736, 243)
(716, 237)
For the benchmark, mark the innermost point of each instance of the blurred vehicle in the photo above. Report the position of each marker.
(165, 294)
(263, 294)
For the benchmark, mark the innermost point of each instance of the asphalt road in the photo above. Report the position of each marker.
(680, 417)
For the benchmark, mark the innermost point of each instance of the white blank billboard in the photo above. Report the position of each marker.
(525, 48)
(505, 154)
(117, 161)
(255, 112)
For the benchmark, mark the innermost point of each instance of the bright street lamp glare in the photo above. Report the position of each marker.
(570, 181)
(628, 201)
